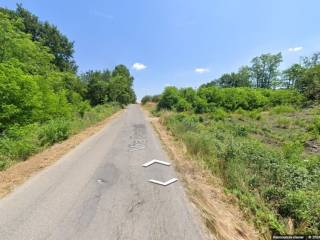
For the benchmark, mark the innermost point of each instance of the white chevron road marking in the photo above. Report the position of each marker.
(147, 164)
(164, 183)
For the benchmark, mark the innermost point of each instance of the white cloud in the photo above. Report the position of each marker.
(139, 66)
(202, 70)
(295, 49)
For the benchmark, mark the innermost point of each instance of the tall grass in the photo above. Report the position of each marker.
(273, 184)
(20, 142)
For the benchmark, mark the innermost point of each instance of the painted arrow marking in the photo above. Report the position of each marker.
(147, 164)
(164, 183)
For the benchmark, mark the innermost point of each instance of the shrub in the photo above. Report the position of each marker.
(254, 114)
(208, 98)
(200, 105)
(309, 83)
(285, 97)
(18, 143)
(169, 98)
(218, 114)
(283, 109)
(240, 131)
(316, 126)
(55, 131)
(156, 98)
(304, 208)
(293, 150)
(283, 122)
(146, 99)
(182, 105)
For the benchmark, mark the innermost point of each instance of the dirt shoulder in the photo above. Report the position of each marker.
(20, 172)
(219, 211)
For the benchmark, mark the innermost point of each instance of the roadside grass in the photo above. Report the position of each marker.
(269, 160)
(20, 142)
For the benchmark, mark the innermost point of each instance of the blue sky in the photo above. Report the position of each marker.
(181, 42)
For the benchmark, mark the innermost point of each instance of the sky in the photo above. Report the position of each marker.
(180, 42)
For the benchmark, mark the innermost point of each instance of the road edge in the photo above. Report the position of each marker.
(218, 211)
(20, 172)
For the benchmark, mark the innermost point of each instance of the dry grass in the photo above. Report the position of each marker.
(219, 210)
(20, 172)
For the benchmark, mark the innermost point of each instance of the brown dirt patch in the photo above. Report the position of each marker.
(219, 211)
(20, 172)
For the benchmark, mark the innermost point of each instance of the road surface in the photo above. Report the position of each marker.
(100, 190)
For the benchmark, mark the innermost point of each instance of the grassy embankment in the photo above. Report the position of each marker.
(269, 159)
(20, 142)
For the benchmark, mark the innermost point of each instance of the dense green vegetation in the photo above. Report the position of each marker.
(45, 33)
(106, 86)
(149, 98)
(258, 130)
(264, 73)
(42, 100)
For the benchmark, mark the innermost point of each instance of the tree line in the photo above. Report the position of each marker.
(43, 99)
(261, 85)
(38, 74)
(264, 73)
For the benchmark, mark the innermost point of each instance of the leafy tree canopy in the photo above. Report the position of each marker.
(265, 70)
(47, 34)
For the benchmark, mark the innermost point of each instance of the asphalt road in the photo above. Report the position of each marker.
(100, 190)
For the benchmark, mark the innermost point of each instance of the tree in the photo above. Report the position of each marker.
(149, 98)
(146, 99)
(156, 98)
(311, 61)
(309, 83)
(31, 88)
(97, 83)
(243, 77)
(122, 82)
(119, 91)
(238, 79)
(265, 70)
(292, 75)
(169, 98)
(48, 35)
(106, 86)
(188, 93)
(212, 83)
(228, 80)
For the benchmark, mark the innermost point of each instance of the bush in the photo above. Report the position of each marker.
(240, 131)
(19, 143)
(283, 109)
(315, 127)
(55, 131)
(146, 99)
(200, 105)
(218, 114)
(255, 114)
(156, 98)
(284, 122)
(169, 98)
(182, 105)
(304, 208)
(309, 83)
(206, 99)
(285, 97)
(293, 150)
